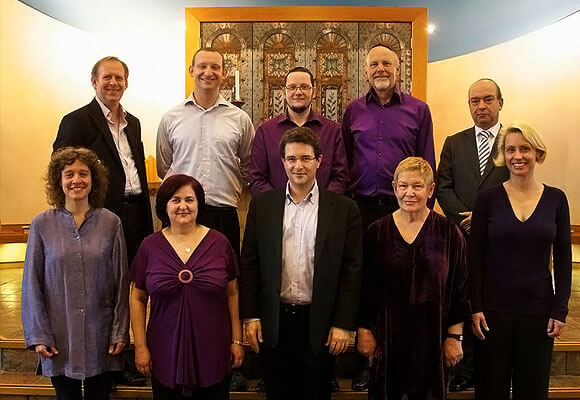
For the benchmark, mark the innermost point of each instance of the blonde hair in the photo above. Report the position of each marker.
(530, 135)
(416, 164)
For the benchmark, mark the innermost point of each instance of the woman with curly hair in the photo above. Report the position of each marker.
(75, 310)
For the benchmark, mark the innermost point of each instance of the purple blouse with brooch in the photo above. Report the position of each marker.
(189, 329)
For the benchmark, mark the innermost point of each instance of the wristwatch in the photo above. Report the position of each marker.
(455, 336)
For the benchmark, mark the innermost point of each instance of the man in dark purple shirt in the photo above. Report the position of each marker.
(380, 129)
(266, 170)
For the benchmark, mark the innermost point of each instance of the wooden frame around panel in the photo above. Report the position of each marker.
(417, 17)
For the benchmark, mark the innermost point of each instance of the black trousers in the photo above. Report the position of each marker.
(224, 220)
(96, 387)
(516, 350)
(291, 369)
(218, 391)
(134, 217)
(373, 208)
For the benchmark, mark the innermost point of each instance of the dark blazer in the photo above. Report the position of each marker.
(87, 127)
(337, 265)
(458, 176)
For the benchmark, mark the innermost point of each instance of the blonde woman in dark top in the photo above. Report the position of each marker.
(516, 228)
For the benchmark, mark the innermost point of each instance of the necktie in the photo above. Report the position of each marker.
(483, 149)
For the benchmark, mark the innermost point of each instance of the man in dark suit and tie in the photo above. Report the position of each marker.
(115, 135)
(300, 275)
(466, 166)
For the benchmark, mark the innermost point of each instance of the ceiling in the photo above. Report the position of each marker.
(462, 26)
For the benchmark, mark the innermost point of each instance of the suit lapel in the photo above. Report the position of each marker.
(325, 214)
(276, 215)
(470, 148)
(97, 115)
(490, 164)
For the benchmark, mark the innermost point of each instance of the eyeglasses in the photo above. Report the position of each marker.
(303, 88)
(304, 159)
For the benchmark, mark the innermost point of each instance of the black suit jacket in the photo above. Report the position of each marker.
(337, 265)
(458, 176)
(87, 127)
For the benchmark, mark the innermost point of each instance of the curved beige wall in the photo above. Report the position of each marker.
(540, 80)
(44, 74)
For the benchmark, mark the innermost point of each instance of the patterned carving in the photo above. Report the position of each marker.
(330, 106)
(232, 40)
(335, 52)
(396, 36)
(278, 101)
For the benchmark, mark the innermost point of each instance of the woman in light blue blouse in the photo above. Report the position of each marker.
(74, 290)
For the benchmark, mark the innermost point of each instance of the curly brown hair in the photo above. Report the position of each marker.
(66, 156)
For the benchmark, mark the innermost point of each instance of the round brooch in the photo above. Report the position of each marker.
(185, 276)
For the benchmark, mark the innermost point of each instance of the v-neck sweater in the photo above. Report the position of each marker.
(510, 258)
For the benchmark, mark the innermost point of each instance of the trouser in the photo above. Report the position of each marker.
(291, 369)
(133, 216)
(516, 350)
(218, 391)
(224, 220)
(373, 208)
(95, 388)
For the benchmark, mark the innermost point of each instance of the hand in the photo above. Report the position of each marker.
(116, 348)
(465, 222)
(253, 334)
(555, 327)
(45, 351)
(143, 360)
(366, 343)
(478, 322)
(453, 352)
(337, 341)
(237, 355)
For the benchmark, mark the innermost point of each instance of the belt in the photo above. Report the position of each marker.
(132, 198)
(294, 308)
(221, 208)
(382, 200)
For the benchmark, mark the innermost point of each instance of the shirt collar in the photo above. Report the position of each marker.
(107, 112)
(494, 130)
(221, 101)
(372, 96)
(312, 116)
(311, 197)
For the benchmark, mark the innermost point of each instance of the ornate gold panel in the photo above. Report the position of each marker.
(263, 52)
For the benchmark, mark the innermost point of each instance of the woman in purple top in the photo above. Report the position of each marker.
(414, 297)
(194, 334)
(75, 309)
(517, 313)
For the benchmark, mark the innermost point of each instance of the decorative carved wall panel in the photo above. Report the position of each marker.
(263, 52)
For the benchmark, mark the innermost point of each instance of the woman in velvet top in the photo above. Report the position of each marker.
(414, 297)
(517, 228)
(75, 309)
(189, 272)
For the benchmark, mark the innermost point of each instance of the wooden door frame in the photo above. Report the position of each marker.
(417, 16)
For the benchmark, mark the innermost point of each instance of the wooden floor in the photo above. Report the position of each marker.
(17, 381)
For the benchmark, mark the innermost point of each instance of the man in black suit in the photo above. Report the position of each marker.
(466, 166)
(300, 275)
(115, 135)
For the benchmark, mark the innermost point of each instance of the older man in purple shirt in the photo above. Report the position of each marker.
(380, 129)
(266, 170)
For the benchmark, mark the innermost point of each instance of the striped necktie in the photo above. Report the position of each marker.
(483, 149)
